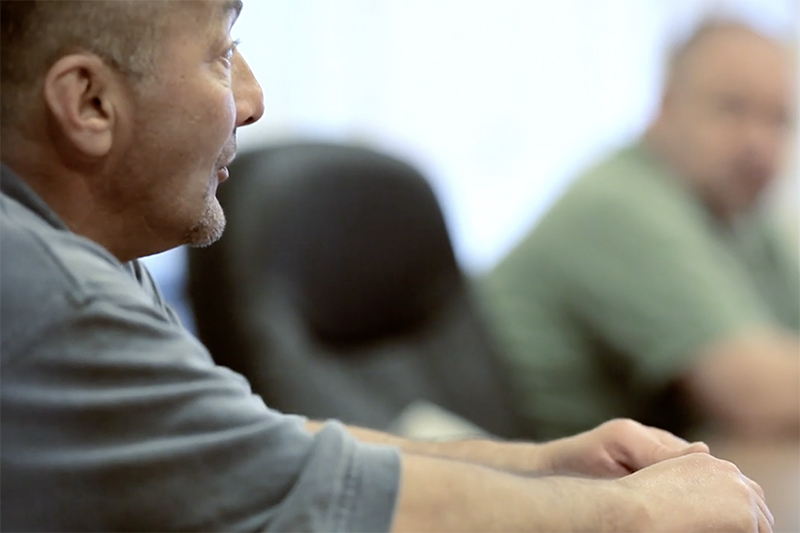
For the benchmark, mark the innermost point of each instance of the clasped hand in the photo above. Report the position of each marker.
(616, 448)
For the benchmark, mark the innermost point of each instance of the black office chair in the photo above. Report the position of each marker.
(336, 292)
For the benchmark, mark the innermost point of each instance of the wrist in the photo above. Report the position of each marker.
(545, 457)
(553, 457)
(514, 457)
(624, 510)
(521, 458)
(585, 504)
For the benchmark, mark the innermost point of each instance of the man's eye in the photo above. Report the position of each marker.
(228, 55)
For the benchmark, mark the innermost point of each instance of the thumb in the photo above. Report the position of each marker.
(648, 445)
(660, 451)
(696, 447)
(676, 445)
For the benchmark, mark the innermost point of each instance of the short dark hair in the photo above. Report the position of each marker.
(36, 33)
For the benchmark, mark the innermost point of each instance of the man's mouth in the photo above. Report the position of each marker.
(225, 161)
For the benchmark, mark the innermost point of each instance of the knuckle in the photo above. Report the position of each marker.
(728, 467)
(624, 425)
(720, 465)
(743, 491)
(703, 460)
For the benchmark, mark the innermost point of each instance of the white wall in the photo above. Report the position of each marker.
(500, 102)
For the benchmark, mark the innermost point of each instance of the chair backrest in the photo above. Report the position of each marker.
(336, 292)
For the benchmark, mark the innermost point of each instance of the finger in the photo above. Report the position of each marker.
(765, 522)
(755, 487)
(760, 500)
(696, 447)
(673, 441)
(666, 438)
(638, 446)
(677, 444)
(765, 518)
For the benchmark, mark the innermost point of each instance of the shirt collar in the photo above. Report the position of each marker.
(15, 187)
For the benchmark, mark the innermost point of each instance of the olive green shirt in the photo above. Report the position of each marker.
(601, 307)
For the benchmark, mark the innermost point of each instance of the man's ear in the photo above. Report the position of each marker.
(85, 98)
(666, 104)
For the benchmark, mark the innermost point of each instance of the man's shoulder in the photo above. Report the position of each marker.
(35, 251)
(625, 188)
(627, 197)
(622, 177)
(47, 273)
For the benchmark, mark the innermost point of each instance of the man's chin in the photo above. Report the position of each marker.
(206, 237)
(201, 244)
(745, 203)
(209, 228)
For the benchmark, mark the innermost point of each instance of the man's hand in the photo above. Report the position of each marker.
(710, 494)
(616, 448)
(694, 493)
(613, 449)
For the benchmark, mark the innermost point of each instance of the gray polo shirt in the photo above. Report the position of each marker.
(115, 418)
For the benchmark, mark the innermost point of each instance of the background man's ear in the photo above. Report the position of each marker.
(83, 95)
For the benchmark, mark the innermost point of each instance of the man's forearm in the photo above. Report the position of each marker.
(712, 495)
(521, 458)
(750, 384)
(439, 495)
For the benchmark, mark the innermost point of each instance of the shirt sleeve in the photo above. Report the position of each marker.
(117, 419)
(655, 280)
(785, 274)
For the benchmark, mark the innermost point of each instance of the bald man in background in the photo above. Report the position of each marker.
(658, 287)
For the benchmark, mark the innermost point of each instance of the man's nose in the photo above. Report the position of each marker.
(246, 92)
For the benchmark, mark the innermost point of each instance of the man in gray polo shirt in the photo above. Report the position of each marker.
(118, 122)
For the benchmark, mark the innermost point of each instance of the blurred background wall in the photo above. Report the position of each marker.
(499, 102)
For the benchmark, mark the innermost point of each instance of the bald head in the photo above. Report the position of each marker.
(726, 113)
(725, 46)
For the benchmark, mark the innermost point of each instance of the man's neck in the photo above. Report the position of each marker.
(658, 146)
(71, 193)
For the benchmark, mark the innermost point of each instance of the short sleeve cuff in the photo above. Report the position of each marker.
(375, 484)
(345, 486)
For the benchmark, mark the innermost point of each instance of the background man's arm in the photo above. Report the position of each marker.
(657, 283)
(750, 383)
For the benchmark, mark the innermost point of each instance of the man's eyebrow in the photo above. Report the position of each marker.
(233, 5)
